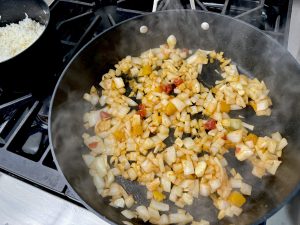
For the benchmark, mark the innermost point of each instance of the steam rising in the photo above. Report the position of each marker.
(255, 55)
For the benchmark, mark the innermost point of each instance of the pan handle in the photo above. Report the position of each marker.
(155, 3)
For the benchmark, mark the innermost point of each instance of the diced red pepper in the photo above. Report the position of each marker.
(141, 106)
(142, 110)
(142, 113)
(105, 115)
(178, 81)
(93, 144)
(210, 124)
(168, 88)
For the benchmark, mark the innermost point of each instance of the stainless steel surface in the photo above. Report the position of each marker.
(294, 35)
(23, 204)
(290, 214)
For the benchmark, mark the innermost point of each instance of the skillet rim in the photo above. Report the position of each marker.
(260, 220)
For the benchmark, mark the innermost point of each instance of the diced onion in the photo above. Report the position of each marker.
(88, 159)
(204, 190)
(178, 104)
(159, 206)
(235, 183)
(166, 184)
(100, 166)
(99, 182)
(127, 222)
(188, 143)
(129, 214)
(246, 189)
(171, 40)
(248, 126)
(129, 201)
(200, 168)
(119, 82)
(143, 213)
(154, 214)
(118, 203)
(170, 155)
(234, 136)
(214, 184)
(180, 218)
(188, 167)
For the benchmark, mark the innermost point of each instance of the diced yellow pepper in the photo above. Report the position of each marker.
(224, 107)
(158, 196)
(253, 104)
(145, 70)
(206, 146)
(228, 144)
(157, 89)
(170, 109)
(137, 129)
(113, 85)
(119, 135)
(236, 198)
(225, 63)
(214, 90)
(251, 137)
(213, 54)
(219, 56)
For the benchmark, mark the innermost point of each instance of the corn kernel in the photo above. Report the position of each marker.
(224, 107)
(146, 70)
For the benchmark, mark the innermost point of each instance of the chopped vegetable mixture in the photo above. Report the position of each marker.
(165, 98)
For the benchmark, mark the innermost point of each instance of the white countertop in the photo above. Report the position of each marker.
(23, 204)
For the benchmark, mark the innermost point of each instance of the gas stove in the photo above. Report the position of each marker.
(24, 143)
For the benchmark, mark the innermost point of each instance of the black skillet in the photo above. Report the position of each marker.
(255, 53)
(29, 67)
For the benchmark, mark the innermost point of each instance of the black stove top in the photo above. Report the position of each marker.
(24, 143)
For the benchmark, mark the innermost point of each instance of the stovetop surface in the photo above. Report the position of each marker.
(24, 143)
